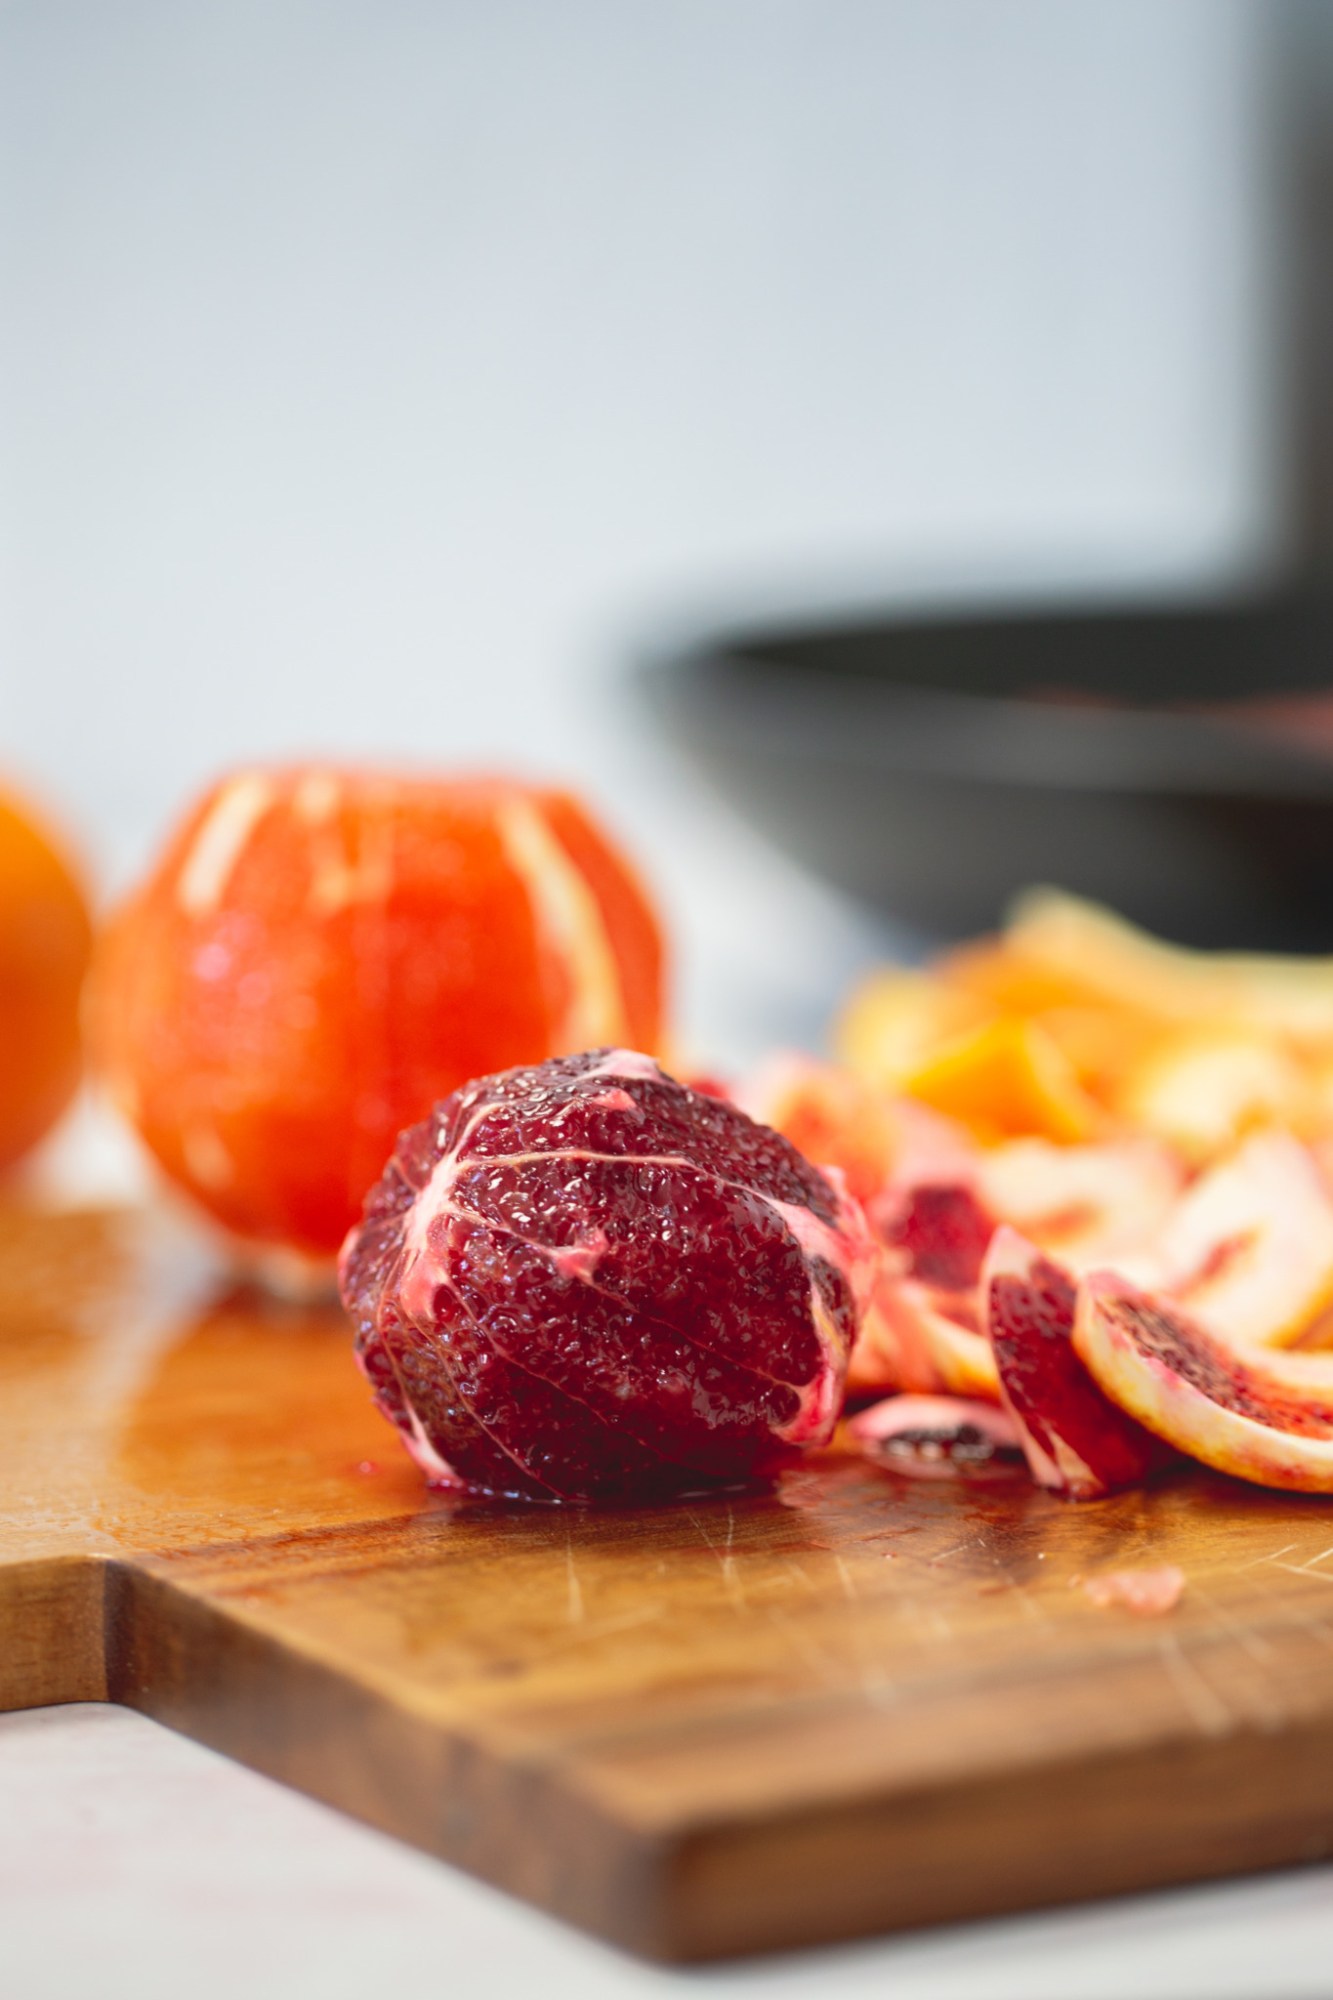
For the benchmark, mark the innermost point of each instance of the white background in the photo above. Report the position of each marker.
(375, 379)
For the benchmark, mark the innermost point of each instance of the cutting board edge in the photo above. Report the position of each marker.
(111, 1629)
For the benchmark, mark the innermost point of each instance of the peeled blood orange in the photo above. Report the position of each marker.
(584, 1281)
(321, 954)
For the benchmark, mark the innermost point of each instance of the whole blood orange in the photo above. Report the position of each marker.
(45, 939)
(584, 1281)
(321, 954)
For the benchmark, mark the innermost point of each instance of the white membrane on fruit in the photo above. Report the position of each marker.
(570, 927)
(220, 842)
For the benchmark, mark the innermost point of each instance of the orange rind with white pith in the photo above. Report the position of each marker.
(1201, 1088)
(1248, 1249)
(1088, 1205)
(899, 1018)
(1256, 1413)
(910, 1340)
(1071, 939)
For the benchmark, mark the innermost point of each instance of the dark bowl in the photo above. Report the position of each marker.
(935, 765)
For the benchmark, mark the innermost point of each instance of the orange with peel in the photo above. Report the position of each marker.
(321, 954)
(45, 941)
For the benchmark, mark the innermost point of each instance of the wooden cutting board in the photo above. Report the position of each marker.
(857, 1703)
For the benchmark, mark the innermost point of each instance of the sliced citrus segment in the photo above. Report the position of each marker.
(1005, 1080)
(1076, 1441)
(1249, 1248)
(1012, 982)
(1255, 1413)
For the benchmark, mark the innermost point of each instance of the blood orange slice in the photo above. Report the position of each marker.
(1263, 1415)
(1076, 1440)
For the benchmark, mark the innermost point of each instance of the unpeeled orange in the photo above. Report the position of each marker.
(45, 938)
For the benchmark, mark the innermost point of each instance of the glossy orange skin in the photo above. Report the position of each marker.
(45, 943)
(272, 1024)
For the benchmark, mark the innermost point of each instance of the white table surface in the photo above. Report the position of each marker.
(137, 1866)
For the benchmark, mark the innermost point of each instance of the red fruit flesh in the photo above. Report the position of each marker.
(1077, 1441)
(584, 1281)
(944, 1232)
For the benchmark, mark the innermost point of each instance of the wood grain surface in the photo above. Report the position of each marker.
(730, 1725)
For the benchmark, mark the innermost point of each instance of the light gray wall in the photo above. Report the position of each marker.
(371, 373)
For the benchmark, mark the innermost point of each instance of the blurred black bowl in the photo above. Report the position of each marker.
(934, 765)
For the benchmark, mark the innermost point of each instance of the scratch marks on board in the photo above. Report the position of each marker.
(725, 1553)
(1256, 1561)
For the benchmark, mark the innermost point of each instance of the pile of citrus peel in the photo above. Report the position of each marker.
(1099, 1171)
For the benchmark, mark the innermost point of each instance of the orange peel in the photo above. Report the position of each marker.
(1005, 1080)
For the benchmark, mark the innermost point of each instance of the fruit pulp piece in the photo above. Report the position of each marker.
(1148, 1593)
(584, 1281)
(1259, 1413)
(1077, 1441)
(942, 1231)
